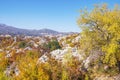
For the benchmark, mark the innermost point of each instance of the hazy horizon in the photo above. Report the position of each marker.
(38, 14)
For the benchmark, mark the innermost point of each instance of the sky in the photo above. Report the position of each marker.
(59, 15)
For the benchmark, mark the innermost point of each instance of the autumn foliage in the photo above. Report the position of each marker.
(100, 35)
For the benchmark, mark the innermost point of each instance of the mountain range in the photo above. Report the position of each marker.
(5, 29)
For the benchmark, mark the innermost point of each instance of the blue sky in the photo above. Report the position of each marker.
(59, 15)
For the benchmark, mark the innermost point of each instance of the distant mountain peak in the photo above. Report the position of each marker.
(5, 29)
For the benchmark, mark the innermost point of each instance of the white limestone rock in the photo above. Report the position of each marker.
(42, 59)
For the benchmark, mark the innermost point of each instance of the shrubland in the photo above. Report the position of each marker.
(99, 41)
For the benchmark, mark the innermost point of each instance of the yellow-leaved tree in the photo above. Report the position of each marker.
(101, 31)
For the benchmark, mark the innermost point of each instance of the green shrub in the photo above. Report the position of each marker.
(52, 45)
(22, 44)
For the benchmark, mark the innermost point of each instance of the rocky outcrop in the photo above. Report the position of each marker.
(60, 54)
(12, 68)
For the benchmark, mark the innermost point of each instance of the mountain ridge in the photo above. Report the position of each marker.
(5, 29)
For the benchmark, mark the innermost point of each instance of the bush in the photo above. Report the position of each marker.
(52, 45)
(22, 44)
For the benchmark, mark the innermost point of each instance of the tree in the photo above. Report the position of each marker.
(101, 31)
